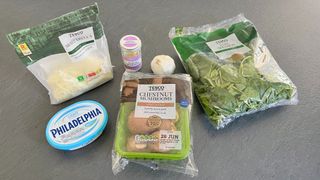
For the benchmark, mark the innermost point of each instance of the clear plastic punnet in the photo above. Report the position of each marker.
(153, 127)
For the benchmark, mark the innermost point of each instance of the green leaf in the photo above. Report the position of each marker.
(230, 89)
(247, 68)
(225, 88)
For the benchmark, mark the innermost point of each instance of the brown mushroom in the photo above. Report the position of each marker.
(128, 91)
(155, 146)
(139, 125)
(157, 80)
(168, 124)
(177, 117)
(132, 83)
(133, 146)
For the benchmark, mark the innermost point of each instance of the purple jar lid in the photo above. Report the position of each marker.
(130, 42)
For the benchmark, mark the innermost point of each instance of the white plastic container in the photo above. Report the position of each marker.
(77, 125)
(131, 52)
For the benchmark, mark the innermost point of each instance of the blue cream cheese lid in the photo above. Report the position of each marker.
(77, 125)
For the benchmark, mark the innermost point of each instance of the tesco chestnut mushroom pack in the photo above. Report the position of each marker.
(153, 126)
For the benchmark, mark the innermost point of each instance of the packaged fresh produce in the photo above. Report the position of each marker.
(69, 55)
(153, 127)
(232, 69)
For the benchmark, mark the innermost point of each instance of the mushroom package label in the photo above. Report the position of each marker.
(154, 122)
(156, 102)
(69, 54)
(156, 99)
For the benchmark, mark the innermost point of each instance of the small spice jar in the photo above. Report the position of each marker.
(131, 52)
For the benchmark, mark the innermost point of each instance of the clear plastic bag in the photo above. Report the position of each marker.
(153, 126)
(69, 55)
(232, 69)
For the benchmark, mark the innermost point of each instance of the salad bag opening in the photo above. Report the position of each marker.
(232, 69)
(69, 54)
(153, 126)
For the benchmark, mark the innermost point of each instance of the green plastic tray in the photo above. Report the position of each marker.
(123, 133)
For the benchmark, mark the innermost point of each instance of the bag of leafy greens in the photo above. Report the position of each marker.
(232, 69)
(69, 54)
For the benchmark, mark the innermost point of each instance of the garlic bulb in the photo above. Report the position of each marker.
(163, 65)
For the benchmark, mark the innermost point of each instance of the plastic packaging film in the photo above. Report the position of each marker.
(69, 55)
(232, 69)
(153, 127)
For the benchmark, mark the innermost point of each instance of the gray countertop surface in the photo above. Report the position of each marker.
(279, 143)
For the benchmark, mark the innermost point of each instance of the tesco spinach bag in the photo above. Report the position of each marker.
(232, 69)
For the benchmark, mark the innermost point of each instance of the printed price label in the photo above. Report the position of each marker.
(170, 140)
(77, 44)
(226, 47)
(24, 49)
